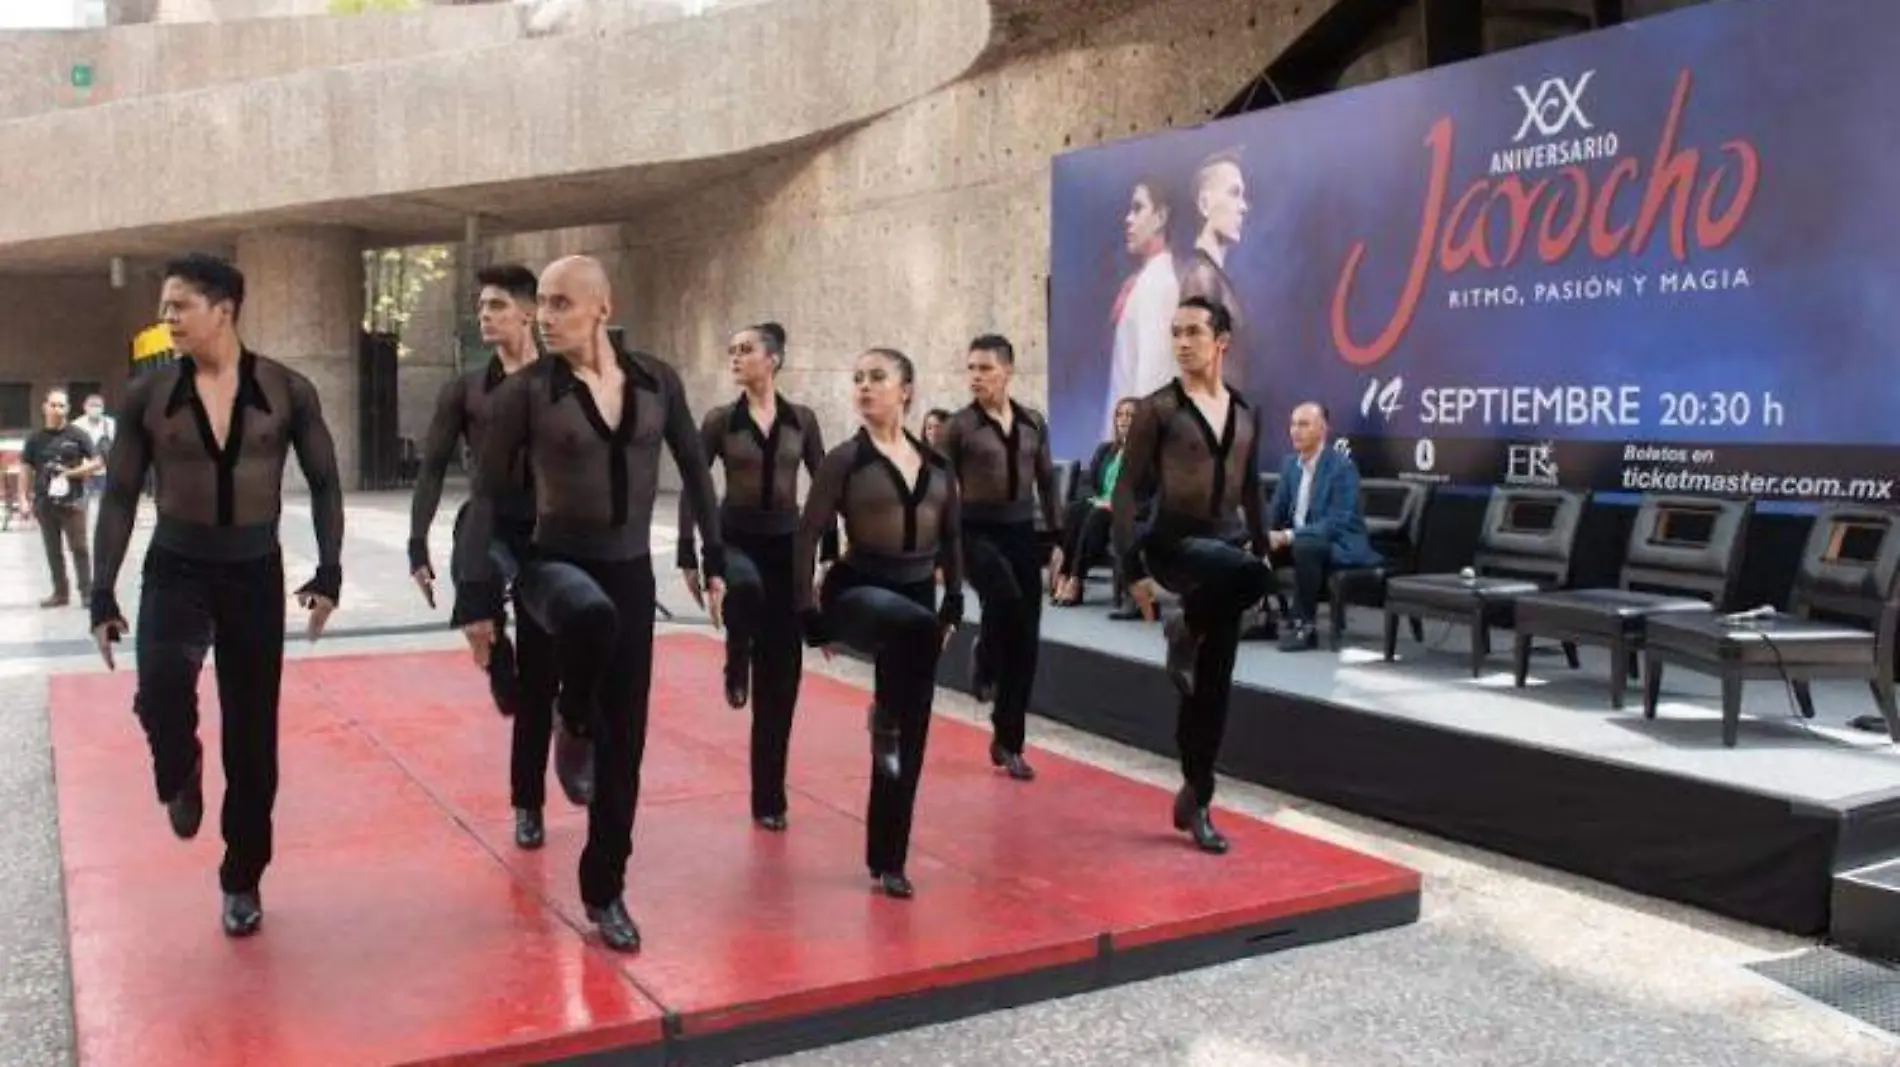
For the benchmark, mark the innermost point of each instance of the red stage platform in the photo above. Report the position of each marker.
(402, 926)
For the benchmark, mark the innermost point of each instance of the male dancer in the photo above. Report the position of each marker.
(216, 426)
(999, 450)
(523, 687)
(1192, 448)
(590, 423)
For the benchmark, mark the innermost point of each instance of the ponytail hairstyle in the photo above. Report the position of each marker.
(906, 372)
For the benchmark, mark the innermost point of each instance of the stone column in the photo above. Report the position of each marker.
(303, 307)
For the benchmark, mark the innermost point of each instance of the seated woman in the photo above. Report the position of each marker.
(1086, 524)
(898, 502)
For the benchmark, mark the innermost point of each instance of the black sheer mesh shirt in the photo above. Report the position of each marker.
(594, 484)
(998, 470)
(218, 502)
(462, 413)
(898, 531)
(762, 465)
(1195, 477)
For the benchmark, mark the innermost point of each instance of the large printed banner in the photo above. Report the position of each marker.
(1661, 257)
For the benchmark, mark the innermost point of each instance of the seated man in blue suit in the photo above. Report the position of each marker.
(1315, 519)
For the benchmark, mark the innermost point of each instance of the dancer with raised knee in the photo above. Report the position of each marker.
(522, 680)
(1192, 449)
(898, 502)
(999, 450)
(762, 439)
(590, 423)
(216, 427)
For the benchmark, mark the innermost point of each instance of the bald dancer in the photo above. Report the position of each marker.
(590, 423)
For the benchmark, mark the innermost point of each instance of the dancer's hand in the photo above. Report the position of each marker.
(319, 607)
(1144, 593)
(481, 640)
(105, 635)
(690, 575)
(716, 602)
(425, 581)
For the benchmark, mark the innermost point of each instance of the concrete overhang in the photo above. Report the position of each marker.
(543, 132)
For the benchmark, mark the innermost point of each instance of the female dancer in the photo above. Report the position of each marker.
(898, 500)
(1085, 528)
(762, 439)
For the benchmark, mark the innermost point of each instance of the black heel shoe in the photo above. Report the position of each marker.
(885, 759)
(1014, 762)
(530, 833)
(895, 886)
(243, 913)
(574, 765)
(1184, 647)
(616, 926)
(1198, 823)
(187, 810)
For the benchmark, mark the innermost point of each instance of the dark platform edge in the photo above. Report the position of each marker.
(1764, 859)
(1106, 968)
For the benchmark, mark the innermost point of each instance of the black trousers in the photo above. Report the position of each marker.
(532, 664)
(1005, 573)
(762, 637)
(600, 616)
(1312, 560)
(1085, 529)
(895, 624)
(64, 527)
(189, 607)
(1217, 582)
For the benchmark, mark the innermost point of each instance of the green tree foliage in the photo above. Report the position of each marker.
(394, 280)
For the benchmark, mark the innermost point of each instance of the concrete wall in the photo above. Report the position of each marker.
(930, 225)
(135, 61)
(65, 329)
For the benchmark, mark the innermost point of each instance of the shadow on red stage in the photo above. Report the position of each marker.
(404, 927)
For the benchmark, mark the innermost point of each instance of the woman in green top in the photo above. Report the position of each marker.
(1085, 529)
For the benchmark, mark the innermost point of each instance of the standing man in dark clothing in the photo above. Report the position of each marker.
(999, 450)
(591, 423)
(1193, 448)
(62, 458)
(216, 426)
(522, 684)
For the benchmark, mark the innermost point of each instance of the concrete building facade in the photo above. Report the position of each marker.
(864, 171)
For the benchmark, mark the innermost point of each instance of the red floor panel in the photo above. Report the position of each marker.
(403, 927)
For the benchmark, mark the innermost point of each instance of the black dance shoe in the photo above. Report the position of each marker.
(243, 913)
(1197, 822)
(982, 686)
(895, 885)
(1014, 762)
(187, 810)
(574, 764)
(616, 926)
(504, 683)
(1183, 648)
(530, 834)
(774, 823)
(885, 759)
(738, 677)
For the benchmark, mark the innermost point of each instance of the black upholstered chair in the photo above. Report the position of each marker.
(1684, 557)
(1526, 547)
(1847, 570)
(1394, 511)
